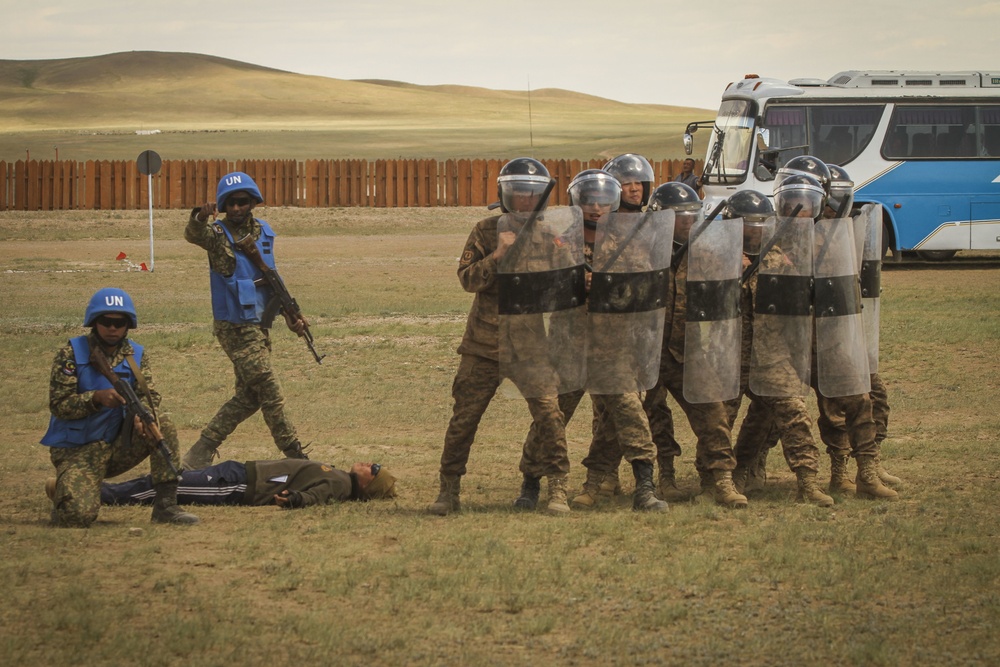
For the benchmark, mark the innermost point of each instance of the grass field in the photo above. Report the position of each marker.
(866, 583)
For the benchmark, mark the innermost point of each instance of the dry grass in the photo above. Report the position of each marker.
(867, 583)
(90, 108)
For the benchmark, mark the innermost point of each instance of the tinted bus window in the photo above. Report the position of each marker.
(834, 133)
(989, 120)
(931, 132)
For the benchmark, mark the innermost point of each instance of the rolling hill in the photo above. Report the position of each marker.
(205, 106)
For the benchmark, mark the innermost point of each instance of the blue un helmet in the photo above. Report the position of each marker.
(236, 182)
(110, 300)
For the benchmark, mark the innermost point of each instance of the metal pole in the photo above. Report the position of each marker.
(149, 180)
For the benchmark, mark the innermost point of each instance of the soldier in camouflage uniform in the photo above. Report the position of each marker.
(770, 417)
(90, 435)
(237, 306)
(627, 432)
(520, 186)
(715, 460)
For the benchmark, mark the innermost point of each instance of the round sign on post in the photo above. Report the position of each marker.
(149, 163)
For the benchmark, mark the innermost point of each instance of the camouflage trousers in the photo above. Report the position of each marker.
(257, 387)
(880, 407)
(769, 418)
(606, 450)
(846, 425)
(474, 387)
(709, 421)
(81, 470)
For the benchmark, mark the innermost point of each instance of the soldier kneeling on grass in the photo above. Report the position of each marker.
(288, 483)
(91, 434)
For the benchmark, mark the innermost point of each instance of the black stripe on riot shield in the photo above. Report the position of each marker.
(784, 295)
(540, 291)
(871, 279)
(837, 296)
(627, 292)
(713, 300)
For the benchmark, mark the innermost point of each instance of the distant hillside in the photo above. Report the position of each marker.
(114, 95)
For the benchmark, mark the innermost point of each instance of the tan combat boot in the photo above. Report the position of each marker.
(447, 500)
(610, 485)
(868, 484)
(884, 476)
(588, 495)
(809, 490)
(667, 483)
(840, 481)
(707, 492)
(724, 492)
(740, 474)
(557, 495)
(200, 455)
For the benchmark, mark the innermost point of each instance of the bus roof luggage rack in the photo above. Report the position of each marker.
(912, 79)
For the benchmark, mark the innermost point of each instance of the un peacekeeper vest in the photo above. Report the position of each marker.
(235, 298)
(102, 425)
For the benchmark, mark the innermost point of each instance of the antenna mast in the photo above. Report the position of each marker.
(531, 133)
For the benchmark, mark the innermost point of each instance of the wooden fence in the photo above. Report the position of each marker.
(46, 185)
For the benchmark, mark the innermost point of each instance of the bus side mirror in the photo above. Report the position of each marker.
(688, 144)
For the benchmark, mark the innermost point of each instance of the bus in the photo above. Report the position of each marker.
(923, 145)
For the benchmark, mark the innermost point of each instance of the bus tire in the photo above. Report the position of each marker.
(936, 255)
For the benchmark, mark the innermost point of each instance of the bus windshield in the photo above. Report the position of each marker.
(729, 147)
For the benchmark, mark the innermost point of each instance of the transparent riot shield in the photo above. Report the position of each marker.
(542, 302)
(780, 357)
(841, 351)
(627, 300)
(868, 223)
(712, 329)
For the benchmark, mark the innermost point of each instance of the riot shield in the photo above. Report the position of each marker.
(626, 301)
(712, 328)
(542, 303)
(780, 357)
(868, 223)
(841, 352)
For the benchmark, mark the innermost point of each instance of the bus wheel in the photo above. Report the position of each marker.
(935, 255)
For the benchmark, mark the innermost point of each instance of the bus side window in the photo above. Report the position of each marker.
(921, 145)
(991, 140)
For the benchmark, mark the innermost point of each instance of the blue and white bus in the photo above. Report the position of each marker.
(924, 145)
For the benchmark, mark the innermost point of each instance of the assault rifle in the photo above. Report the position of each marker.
(134, 406)
(282, 300)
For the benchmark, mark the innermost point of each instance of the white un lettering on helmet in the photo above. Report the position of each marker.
(232, 180)
(114, 300)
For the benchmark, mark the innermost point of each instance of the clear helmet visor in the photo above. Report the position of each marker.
(520, 193)
(799, 201)
(841, 198)
(685, 217)
(753, 231)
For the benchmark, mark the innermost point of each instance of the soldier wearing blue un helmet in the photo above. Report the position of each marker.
(239, 298)
(91, 436)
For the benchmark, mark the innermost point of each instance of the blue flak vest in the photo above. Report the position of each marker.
(236, 298)
(102, 425)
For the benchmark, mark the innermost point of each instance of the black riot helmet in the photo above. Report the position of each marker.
(841, 190)
(805, 164)
(800, 196)
(754, 209)
(632, 168)
(683, 201)
(522, 177)
(595, 186)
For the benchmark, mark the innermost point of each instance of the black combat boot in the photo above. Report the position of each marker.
(528, 499)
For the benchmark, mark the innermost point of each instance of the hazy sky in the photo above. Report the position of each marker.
(656, 51)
